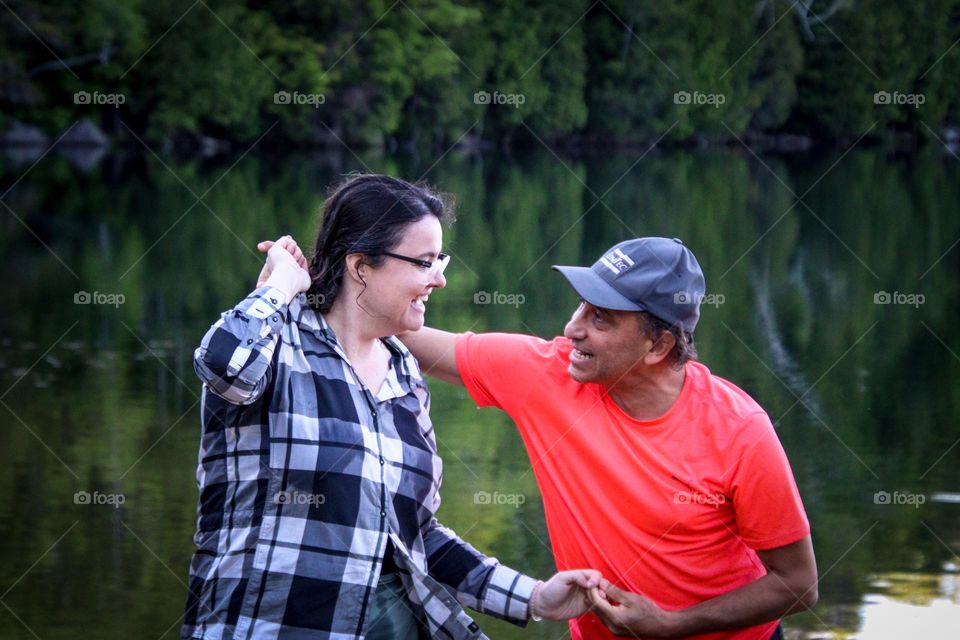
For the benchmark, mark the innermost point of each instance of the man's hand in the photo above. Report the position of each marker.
(790, 586)
(288, 243)
(282, 270)
(565, 594)
(634, 616)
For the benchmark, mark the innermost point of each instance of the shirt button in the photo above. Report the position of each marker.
(381, 461)
(273, 300)
(249, 341)
(383, 513)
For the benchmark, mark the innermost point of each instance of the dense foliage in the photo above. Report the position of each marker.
(414, 72)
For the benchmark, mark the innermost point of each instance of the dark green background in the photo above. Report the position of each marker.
(104, 398)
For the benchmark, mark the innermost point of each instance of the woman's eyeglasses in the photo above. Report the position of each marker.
(432, 267)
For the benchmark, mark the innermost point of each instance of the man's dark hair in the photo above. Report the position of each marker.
(684, 348)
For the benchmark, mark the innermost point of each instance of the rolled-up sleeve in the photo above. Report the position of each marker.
(234, 357)
(477, 581)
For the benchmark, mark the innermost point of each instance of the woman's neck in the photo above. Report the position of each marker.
(357, 338)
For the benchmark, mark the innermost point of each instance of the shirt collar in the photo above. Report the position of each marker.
(403, 375)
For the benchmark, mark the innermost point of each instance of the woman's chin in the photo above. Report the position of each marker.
(413, 324)
(412, 320)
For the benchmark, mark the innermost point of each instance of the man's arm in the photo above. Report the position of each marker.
(790, 586)
(435, 351)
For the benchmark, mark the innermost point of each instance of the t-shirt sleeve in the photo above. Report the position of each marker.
(766, 500)
(501, 369)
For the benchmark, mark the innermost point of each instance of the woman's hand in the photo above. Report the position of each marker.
(565, 595)
(290, 245)
(283, 269)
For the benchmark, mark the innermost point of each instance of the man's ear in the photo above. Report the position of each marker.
(355, 267)
(660, 348)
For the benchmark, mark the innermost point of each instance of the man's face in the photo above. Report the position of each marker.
(608, 344)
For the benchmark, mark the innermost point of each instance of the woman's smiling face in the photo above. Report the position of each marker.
(397, 290)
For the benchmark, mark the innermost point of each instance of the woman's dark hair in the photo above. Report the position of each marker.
(368, 214)
(684, 348)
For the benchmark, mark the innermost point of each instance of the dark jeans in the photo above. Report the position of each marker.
(390, 614)
(777, 633)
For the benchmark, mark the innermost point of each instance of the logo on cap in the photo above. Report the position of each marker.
(617, 261)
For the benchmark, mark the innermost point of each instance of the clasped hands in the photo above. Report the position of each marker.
(570, 594)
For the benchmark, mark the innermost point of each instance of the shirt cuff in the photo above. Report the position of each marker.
(267, 300)
(508, 594)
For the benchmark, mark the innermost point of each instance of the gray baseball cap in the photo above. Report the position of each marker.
(658, 275)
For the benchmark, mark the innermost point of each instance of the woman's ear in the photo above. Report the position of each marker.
(356, 268)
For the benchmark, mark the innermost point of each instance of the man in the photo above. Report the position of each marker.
(669, 480)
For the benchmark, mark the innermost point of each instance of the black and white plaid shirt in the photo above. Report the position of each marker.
(304, 474)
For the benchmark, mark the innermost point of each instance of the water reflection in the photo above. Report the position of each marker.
(101, 397)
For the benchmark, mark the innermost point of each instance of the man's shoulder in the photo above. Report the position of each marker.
(723, 395)
(519, 358)
(523, 346)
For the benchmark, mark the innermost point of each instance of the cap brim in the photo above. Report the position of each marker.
(594, 290)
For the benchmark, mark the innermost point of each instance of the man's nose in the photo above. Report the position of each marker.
(574, 329)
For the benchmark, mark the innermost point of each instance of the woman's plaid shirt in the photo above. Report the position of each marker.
(304, 474)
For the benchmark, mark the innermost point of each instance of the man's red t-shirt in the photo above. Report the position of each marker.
(672, 508)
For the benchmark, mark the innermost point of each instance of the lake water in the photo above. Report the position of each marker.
(834, 282)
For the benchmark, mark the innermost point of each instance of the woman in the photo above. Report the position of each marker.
(319, 475)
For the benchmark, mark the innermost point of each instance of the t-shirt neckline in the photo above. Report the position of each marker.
(663, 419)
